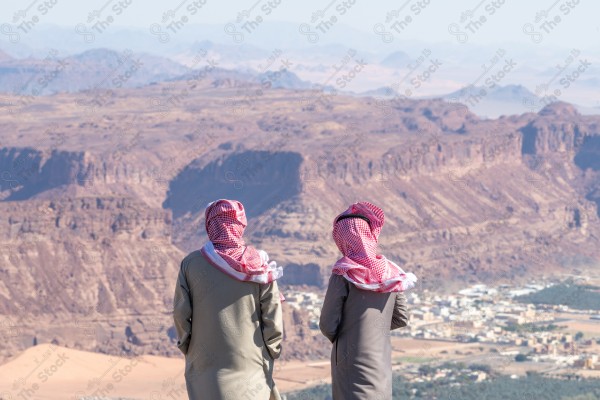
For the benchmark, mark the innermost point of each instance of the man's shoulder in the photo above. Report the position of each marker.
(194, 257)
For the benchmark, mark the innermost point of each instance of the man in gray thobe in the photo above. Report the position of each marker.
(227, 313)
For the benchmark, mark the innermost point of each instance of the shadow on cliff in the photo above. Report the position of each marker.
(26, 172)
(529, 133)
(259, 179)
(588, 156)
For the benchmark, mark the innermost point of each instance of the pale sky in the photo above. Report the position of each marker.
(579, 25)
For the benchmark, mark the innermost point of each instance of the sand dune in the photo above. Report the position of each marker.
(53, 372)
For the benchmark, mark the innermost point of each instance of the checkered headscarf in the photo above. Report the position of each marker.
(356, 232)
(225, 224)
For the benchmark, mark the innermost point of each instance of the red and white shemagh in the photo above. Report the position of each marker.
(357, 240)
(227, 251)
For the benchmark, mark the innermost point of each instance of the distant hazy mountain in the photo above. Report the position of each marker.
(283, 79)
(93, 69)
(312, 61)
(230, 66)
(500, 100)
(109, 69)
(398, 59)
(485, 102)
(498, 93)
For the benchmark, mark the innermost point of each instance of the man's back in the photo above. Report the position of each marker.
(358, 322)
(226, 355)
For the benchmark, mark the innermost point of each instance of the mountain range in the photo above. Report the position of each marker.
(104, 69)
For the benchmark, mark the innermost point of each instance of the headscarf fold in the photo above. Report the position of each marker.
(226, 249)
(356, 232)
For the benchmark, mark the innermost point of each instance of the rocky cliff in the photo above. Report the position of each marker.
(94, 273)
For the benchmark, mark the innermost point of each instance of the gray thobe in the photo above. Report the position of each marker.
(230, 332)
(358, 323)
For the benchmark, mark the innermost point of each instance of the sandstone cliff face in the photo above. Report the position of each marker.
(559, 129)
(87, 272)
(93, 226)
(566, 144)
(29, 171)
(87, 218)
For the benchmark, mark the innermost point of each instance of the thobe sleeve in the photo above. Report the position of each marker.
(182, 311)
(400, 315)
(331, 313)
(271, 317)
